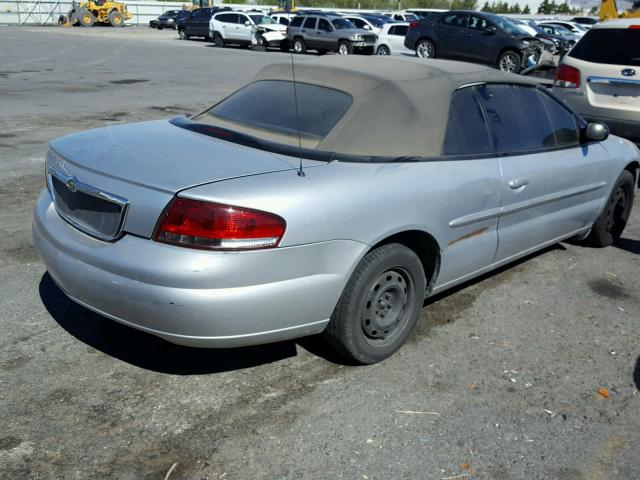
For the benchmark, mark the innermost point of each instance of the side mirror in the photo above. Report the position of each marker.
(595, 132)
(366, 27)
(247, 23)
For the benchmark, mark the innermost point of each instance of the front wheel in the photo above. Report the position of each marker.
(383, 50)
(609, 226)
(425, 49)
(345, 48)
(379, 306)
(510, 62)
(183, 34)
(116, 19)
(86, 18)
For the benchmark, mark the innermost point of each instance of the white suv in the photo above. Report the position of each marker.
(239, 28)
(600, 76)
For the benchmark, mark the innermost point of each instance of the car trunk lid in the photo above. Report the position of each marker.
(120, 178)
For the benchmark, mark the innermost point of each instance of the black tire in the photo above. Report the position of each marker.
(609, 226)
(183, 34)
(383, 50)
(159, 28)
(116, 19)
(425, 48)
(218, 40)
(379, 305)
(510, 61)
(260, 45)
(345, 48)
(298, 45)
(85, 17)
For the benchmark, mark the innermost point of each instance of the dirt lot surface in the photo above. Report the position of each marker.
(500, 381)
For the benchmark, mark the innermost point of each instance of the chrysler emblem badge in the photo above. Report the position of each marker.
(71, 185)
(628, 72)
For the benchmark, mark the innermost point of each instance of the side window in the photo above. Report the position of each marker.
(453, 20)
(324, 25)
(296, 22)
(477, 23)
(563, 122)
(283, 21)
(392, 30)
(227, 18)
(466, 129)
(357, 22)
(242, 18)
(310, 22)
(401, 30)
(517, 118)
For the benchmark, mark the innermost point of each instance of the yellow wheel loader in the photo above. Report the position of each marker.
(609, 10)
(100, 11)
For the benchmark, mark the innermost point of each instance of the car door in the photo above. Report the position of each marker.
(323, 34)
(471, 239)
(396, 38)
(227, 23)
(243, 31)
(479, 35)
(308, 32)
(552, 186)
(449, 32)
(202, 22)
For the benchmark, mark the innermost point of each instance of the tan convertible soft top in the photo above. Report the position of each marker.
(400, 105)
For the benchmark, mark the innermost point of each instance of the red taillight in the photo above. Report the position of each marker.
(634, 27)
(414, 24)
(197, 224)
(567, 77)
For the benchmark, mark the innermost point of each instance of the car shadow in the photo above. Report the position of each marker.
(636, 374)
(148, 351)
(628, 245)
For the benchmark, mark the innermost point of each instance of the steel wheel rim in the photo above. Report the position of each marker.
(343, 50)
(509, 63)
(425, 50)
(382, 50)
(387, 306)
(297, 46)
(616, 211)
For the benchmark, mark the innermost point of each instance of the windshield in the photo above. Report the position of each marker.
(260, 19)
(341, 23)
(411, 17)
(507, 26)
(376, 22)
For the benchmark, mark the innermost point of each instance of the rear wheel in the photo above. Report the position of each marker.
(425, 49)
(345, 48)
(86, 18)
(218, 40)
(383, 50)
(183, 34)
(379, 306)
(299, 46)
(610, 224)
(159, 28)
(116, 19)
(510, 61)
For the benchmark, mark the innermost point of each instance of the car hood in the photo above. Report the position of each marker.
(276, 27)
(161, 156)
(355, 31)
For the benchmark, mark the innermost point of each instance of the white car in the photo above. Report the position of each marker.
(367, 22)
(574, 28)
(402, 16)
(600, 76)
(391, 40)
(247, 29)
(282, 18)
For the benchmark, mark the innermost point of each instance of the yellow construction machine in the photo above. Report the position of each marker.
(609, 11)
(96, 11)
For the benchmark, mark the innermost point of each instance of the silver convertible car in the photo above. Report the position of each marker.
(335, 204)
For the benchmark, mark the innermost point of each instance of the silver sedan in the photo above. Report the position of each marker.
(262, 219)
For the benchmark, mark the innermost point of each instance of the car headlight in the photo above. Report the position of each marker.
(359, 37)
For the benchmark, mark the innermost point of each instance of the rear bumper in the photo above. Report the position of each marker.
(624, 123)
(192, 297)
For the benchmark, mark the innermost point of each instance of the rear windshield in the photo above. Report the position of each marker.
(270, 105)
(612, 46)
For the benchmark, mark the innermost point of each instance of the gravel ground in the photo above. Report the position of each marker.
(500, 380)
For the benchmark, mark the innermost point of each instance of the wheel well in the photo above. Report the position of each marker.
(509, 49)
(634, 168)
(423, 38)
(425, 246)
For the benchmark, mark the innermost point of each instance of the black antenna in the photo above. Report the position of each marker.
(295, 99)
